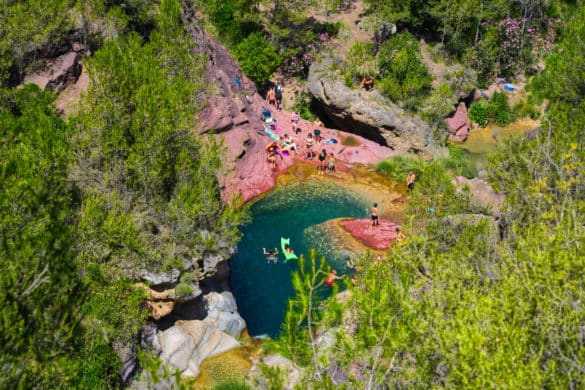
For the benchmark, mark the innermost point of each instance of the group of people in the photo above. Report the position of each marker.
(274, 97)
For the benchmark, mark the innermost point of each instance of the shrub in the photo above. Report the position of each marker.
(499, 109)
(232, 384)
(303, 106)
(524, 109)
(257, 57)
(479, 113)
(403, 74)
(183, 289)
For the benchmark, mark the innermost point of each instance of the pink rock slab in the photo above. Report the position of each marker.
(251, 173)
(376, 237)
(459, 124)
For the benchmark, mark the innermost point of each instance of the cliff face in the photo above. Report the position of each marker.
(367, 114)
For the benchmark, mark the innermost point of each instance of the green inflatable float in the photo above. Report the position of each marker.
(287, 255)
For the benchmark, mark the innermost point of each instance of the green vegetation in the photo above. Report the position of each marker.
(303, 104)
(467, 301)
(496, 110)
(257, 57)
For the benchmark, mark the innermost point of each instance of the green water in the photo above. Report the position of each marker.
(262, 289)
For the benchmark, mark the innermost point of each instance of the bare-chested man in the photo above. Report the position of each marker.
(374, 214)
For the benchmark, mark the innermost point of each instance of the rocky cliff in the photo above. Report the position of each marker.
(367, 114)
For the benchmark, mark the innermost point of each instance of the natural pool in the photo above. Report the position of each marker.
(262, 289)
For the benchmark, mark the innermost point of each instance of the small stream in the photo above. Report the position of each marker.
(262, 289)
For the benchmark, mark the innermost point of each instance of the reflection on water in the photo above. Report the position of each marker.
(261, 288)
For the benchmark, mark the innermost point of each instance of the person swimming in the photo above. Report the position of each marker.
(331, 277)
(271, 255)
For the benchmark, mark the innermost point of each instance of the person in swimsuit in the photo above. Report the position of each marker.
(294, 119)
(272, 153)
(322, 157)
(374, 213)
(288, 144)
(410, 179)
(309, 143)
(271, 97)
(288, 249)
(331, 277)
(278, 96)
(271, 254)
(331, 163)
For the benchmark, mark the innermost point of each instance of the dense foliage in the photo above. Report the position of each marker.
(257, 57)
(470, 302)
(124, 187)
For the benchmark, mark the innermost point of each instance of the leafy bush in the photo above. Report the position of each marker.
(479, 112)
(499, 109)
(526, 110)
(404, 77)
(303, 106)
(459, 163)
(183, 290)
(257, 57)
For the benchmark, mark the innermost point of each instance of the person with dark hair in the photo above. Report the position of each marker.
(374, 214)
(368, 82)
(278, 96)
(271, 254)
(322, 157)
(331, 277)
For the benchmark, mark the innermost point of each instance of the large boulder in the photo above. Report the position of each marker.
(186, 344)
(458, 123)
(368, 114)
(482, 193)
(292, 374)
(58, 73)
(222, 312)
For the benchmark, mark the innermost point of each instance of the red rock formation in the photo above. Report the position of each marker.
(234, 115)
(376, 237)
(459, 124)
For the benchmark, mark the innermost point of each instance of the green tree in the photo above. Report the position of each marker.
(257, 57)
(40, 292)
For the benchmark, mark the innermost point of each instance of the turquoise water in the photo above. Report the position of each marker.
(262, 289)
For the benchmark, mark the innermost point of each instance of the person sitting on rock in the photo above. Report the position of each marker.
(271, 254)
(272, 153)
(368, 82)
(288, 144)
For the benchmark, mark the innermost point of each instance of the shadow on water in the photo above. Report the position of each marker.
(261, 288)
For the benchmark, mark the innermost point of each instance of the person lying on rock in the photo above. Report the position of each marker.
(271, 254)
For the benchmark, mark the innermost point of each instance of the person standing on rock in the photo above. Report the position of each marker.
(271, 97)
(294, 120)
(410, 179)
(331, 163)
(309, 145)
(322, 157)
(278, 96)
(374, 214)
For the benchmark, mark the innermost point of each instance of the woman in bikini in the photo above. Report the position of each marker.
(309, 143)
(331, 163)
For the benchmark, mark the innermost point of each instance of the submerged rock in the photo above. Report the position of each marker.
(367, 114)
